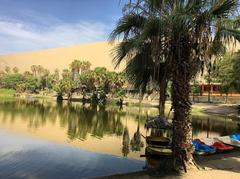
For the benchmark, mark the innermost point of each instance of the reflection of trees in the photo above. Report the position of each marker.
(125, 142)
(88, 120)
(136, 143)
(221, 125)
(98, 121)
(78, 120)
(33, 112)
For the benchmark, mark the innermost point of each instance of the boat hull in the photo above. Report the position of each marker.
(157, 141)
(158, 151)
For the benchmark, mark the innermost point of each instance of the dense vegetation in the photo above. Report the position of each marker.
(79, 78)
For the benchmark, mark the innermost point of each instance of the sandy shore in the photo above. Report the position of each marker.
(218, 166)
(218, 109)
(199, 108)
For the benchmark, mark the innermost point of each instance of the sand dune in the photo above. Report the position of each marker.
(99, 54)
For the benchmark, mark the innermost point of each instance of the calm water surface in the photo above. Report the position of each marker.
(43, 139)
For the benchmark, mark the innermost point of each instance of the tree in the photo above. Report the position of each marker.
(236, 71)
(7, 69)
(15, 70)
(34, 70)
(40, 71)
(215, 53)
(66, 84)
(224, 74)
(75, 67)
(182, 31)
(11, 80)
(142, 67)
(85, 66)
(45, 78)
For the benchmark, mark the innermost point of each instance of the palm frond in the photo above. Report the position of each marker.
(124, 50)
(138, 71)
(126, 25)
(223, 8)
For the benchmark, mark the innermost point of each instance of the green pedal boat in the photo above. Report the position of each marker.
(158, 151)
(157, 141)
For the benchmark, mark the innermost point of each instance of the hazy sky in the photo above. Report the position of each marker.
(40, 24)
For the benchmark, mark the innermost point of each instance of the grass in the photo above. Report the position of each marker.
(198, 111)
(7, 93)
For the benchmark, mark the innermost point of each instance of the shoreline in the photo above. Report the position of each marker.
(219, 109)
(217, 165)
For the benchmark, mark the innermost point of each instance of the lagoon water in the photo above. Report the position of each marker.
(44, 139)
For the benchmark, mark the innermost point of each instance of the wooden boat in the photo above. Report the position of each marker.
(219, 145)
(157, 141)
(229, 141)
(158, 151)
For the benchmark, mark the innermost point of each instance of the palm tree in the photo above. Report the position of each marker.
(181, 32)
(40, 71)
(7, 69)
(85, 66)
(34, 70)
(46, 74)
(15, 70)
(142, 69)
(75, 67)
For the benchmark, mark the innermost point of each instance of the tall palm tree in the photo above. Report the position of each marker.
(34, 70)
(40, 71)
(85, 66)
(15, 70)
(142, 68)
(181, 31)
(75, 67)
(7, 69)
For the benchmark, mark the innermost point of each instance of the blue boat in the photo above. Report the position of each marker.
(235, 136)
(201, 148)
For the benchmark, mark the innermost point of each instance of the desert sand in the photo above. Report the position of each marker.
(99, 54)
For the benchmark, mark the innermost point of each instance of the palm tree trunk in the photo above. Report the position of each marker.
(182, 132)
(162, 97)
(182, 128)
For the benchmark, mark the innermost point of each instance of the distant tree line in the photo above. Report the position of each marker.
(93, 85)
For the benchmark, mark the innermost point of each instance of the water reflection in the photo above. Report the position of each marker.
(87, 126)
(97, 128)
(125, 142)
(136, 141)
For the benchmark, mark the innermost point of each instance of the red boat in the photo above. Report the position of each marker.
(219, 145)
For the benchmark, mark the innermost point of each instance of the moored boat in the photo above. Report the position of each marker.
(219, 145)
(157, 141)
(235, 136)
(230, 141)
(158, 151)
(201, 148)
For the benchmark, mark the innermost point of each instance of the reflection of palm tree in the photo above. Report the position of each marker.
(136, 143)
(125, 142)
(77, 120)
